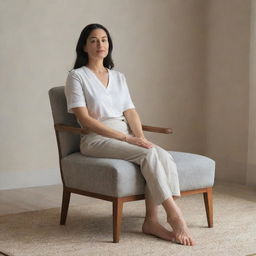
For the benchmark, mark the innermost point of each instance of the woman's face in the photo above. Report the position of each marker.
(97, 44)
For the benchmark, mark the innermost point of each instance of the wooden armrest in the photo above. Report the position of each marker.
(156, 129)
(69, 128)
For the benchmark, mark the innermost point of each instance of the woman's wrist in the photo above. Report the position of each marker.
(124, 138)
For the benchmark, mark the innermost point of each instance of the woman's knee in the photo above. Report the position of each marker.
(148, 153)
(163, 152)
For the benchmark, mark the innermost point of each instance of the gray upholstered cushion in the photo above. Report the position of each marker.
(195, 171)
(115, 177)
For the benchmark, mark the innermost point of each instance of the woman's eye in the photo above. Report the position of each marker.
(103, 40)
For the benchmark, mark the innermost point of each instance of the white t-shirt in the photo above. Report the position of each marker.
(84, 89)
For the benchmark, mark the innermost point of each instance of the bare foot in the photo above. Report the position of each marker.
(154, 228)
(181, 232)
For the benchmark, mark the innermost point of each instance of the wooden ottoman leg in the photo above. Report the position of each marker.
(209, 206)
(117, 218)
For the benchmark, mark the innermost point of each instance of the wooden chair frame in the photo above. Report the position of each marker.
(118, 201)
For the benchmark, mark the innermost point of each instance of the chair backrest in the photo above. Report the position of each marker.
(68, 142)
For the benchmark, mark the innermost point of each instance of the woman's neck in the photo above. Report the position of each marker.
(96, 66)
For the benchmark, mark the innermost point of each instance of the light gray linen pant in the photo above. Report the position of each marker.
(156, 164)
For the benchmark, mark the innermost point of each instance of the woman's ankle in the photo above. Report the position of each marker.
(172, 217)
(151, 218)
(175, 216)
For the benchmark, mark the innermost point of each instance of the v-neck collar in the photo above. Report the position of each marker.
(95, 76)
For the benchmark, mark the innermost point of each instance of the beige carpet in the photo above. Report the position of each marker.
(89, 229)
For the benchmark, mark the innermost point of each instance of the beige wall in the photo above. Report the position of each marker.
(251, 164)
(179, 73)
(227, 87)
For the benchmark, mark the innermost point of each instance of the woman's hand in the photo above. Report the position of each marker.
(140, 141)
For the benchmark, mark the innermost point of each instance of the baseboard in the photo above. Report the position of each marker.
(30, 178)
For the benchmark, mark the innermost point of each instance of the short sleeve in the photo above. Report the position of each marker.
(74, 92)
(127, 104)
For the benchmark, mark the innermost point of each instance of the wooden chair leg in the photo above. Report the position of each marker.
(209, 206)
(117, 218)
(64, 207)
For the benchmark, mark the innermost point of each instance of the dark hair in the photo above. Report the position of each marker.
(82, 57)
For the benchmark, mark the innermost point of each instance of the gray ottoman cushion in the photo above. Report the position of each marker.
(195, 171)
(118, 178)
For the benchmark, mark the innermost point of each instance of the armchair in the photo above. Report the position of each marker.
(104, 179)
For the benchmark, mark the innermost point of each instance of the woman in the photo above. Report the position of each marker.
(100, 99)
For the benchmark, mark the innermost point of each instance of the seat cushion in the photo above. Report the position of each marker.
(195, 171)
(118, 178)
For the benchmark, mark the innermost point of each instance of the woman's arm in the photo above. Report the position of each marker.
(134, 122)
(96, 126)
